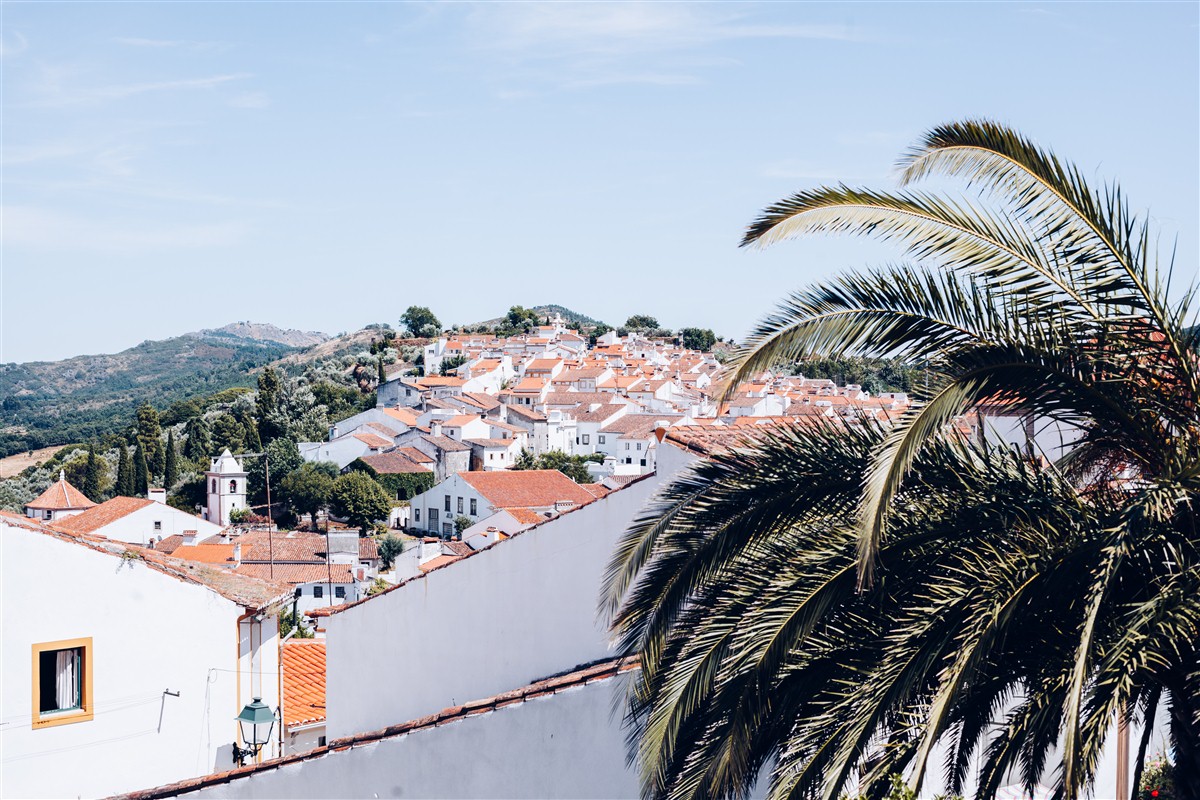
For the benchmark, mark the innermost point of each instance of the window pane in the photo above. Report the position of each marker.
(60, 674)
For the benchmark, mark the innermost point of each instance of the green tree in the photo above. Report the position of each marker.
(574, 467)
(171, 466)
(308, 488)
(124, 487)
(390, 547)
(461, 523)
(839, 599)
(420, 321)
(228, 433)
(141, 473)
(149, 434)
(91, 477)
(701, 339)
(599, 330)
(291, 621)
(250, 439)
(266, 401)
(282, 458)
(359, 500)
(450, 365)
(641, 323)
(197, 446)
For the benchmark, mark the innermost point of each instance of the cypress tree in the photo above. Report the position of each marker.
(148, 432)
(171, 469)
(91, 477)
(266, 402)
(124, 473)
(141, 476)
(251, 438)
(198, 445)
(382, 374)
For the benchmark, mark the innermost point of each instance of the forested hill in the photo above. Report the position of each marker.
(86, 397)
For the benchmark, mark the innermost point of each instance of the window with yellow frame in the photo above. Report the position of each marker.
(62, 682)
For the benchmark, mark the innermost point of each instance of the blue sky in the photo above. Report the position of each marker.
(172, 166)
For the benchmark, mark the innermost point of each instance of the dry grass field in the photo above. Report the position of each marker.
(14, 464)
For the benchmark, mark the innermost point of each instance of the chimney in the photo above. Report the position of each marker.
(435, 427)
(156, 494)
(237, 554)
(190, 537)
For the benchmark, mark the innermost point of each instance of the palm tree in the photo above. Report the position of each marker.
(838, 603)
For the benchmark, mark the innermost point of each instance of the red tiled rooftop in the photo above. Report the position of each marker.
(60, 496)
(534, 488)
(302, 662)
(98, 516)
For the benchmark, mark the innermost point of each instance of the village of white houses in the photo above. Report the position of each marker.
(214, 650)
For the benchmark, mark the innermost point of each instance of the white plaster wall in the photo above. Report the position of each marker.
(503, 618)
(565, 745)
(150, 632)
(138, 527)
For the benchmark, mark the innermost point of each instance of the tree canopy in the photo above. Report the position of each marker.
(357, 498)
(420, 321)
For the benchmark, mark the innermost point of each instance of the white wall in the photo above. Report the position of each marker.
(150, 632)
(541, 590)
(562, 745)
(138, 527)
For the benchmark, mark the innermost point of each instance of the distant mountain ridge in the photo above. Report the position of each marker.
(262, 332)
(53, 403)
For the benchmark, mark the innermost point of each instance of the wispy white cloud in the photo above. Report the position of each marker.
(561, 28)
(579, 45)
(41, 229)
(53, 93)
(12, 44)
(162, 44)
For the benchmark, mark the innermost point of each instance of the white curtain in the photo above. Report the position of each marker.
(66, 693)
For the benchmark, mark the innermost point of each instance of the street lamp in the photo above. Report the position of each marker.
(256, 722)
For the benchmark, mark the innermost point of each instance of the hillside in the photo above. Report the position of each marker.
(55, 403)
(262, 332)
(544, 311)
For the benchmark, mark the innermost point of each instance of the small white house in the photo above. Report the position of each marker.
(59, 501)
(137, 521)
(117, 663)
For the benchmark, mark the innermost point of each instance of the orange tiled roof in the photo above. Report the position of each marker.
(98, 516)
(532, 488)
(302, 662)
(404, 415)
(298, 573)
(205, 553)
(60, 496)
(438, 561)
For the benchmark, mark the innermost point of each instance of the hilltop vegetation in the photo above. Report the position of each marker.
(92, 397)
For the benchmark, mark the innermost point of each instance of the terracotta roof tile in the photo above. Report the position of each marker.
(534, 488)
(302, 662)
(438, 561)
(98, 516)
(205, 553)
(60, 496)
(394, 462)
(299, 573)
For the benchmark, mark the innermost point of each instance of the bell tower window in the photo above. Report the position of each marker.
(233, 487)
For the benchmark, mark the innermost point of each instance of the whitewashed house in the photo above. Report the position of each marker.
(118, 670)
(59, 501)
(136, 520)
